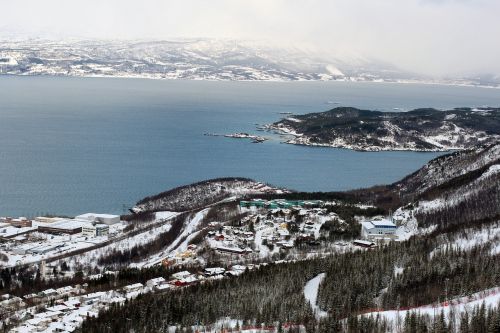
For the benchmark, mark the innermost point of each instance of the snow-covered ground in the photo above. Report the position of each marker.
(311, 295)
(474, 237)
(180, 244)
(89, 258)
(490, 297)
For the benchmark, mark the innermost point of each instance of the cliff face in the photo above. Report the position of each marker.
(419, 130)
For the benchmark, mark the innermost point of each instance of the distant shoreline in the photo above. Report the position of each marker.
(146, 77)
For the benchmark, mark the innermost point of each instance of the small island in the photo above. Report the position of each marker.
(417, 130)
(254, 138)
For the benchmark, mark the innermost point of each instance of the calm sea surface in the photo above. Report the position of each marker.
(74, 145)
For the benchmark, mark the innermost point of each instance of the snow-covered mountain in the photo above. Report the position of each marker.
(199, 59)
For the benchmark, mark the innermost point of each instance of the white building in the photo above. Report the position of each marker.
(214, 271)
(378, 229)
(133, 287)
(99, 218)
(181, 275)
(155, 282)
(95, 230)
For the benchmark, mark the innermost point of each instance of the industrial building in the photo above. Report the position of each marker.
(63, 227)
(380, 228)
(108, 219)
(95, 230)
(21, 222)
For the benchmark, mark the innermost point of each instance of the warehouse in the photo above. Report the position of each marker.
(63, 227)
(380, 228)
(95, 230)
(108, 219)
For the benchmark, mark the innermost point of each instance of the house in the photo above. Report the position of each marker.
(59, 308)
(115, 300)
(12, 303)
(48, 293)
(163, 287)
(236, 270)
(65, 290)
(181, 275)
(30, 296)
(363, 243)
(186, 281)
(155, 282)
(380, 228)
(234, 250)
(91, 298)
(133, 287)
(72, 303)
(213, 271)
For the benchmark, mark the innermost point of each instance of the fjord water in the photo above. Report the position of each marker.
(73, 145)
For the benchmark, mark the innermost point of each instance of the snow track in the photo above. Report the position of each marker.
(311, 295)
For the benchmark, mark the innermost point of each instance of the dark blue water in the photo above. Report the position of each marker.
(72, 145)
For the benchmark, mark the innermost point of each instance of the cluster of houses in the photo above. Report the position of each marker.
(276, 224)
(231, 239)
(70, 305)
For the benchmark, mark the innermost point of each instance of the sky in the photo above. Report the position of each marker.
(434, 37)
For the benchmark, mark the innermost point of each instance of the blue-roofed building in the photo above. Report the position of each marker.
(380, 228)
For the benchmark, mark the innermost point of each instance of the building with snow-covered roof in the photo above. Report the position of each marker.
(181, 275)
(45, 248)
(101, 218)
(378, 229)
(133, 287)
(95, 230)
(154, 282)
(63, 227)
(213, 271)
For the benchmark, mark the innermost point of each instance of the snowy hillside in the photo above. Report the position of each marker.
(417, 130)
(465, 166)
(202, 194)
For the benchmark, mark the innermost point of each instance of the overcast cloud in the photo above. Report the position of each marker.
(439, 37)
